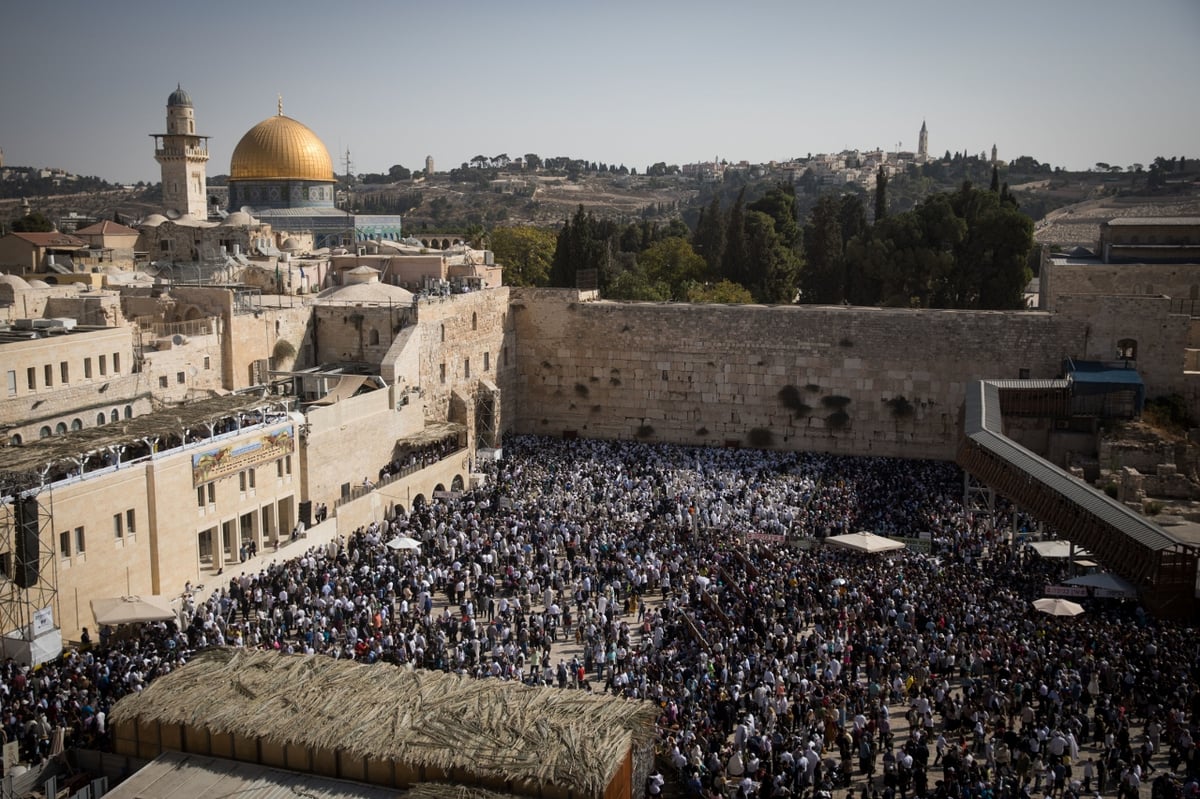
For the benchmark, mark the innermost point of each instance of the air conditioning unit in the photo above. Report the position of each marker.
(179, 340)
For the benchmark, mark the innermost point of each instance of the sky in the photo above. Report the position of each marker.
(1068, 82)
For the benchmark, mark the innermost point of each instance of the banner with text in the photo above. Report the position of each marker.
(232, 458)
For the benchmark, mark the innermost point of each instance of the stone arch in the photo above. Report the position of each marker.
(15, 440)
(418, 501)
(457, 483)
(128, 411)
(101, 418)
(76, 424)
(60, 428)
(44, 432)
(439, 487)
(115, 416)
(193, 313)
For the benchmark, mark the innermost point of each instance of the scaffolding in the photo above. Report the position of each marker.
(29, 580)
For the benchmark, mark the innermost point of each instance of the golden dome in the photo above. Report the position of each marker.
(280, 148)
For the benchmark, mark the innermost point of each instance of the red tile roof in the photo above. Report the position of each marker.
(107, 227)
(51, 239)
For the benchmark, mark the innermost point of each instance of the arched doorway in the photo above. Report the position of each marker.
(457, 483)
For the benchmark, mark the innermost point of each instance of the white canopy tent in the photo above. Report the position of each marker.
(404, 542)
(1058, 549)
(862, 541)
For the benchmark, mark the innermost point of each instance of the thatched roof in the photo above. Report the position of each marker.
(498, 730)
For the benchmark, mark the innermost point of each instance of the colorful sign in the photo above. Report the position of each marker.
(231, 458)
(772, 537)
(1066, 590)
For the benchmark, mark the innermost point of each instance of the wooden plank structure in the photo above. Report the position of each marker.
(392, 727)
(1162, 566)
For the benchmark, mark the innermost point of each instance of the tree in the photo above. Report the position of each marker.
(881, 181)
(723, 292)
(1101, 166)
(773, 267)
(709, 238)
(823, 278)
(533, 162)
(995, 185)
(672, 262)
(779, 203)
(35, 222)
(733, 259)
(397, 173)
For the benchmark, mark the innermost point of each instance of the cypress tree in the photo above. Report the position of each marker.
(880, 195)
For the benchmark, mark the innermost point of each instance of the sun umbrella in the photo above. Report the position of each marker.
(404, 542)
(863, 541)
(1058, 607)
(131, 609)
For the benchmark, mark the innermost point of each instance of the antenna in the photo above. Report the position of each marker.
(349, 164)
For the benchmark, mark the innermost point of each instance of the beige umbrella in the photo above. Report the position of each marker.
(132, 609)
(1058, 607)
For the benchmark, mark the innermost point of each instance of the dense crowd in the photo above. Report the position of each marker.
(781, 669)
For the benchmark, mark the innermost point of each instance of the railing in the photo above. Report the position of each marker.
(405, 471)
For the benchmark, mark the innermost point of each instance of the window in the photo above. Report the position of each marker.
(116, 363)
(12, 382)
(118, 526)
(79, 542)
(180, 377)
(162, 381)
(242, 480)
(128, 411)
(65, 369)
(103, 363)
(16, 439)
(467, 368)
(251, 473)
(49, 375)
(442, 373)
(60, 428)
(1023, 373)
(487, 361)
(64, 543)
(76, 424)
(279, 468)
(87, 367)
(287, 464)
(114, 416)
(44, 432)
(373, 337)
(6, 564)
(206, 494)
(474, 321)
(443, 332)
(31, 377)
(205, 542)
(1127, 349)
(129, 519)
(207, 362)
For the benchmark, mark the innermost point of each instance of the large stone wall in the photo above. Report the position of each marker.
(838, 379)
(1181, 282)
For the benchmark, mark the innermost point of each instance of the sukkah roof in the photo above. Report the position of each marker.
(33, 456)
(496, 730)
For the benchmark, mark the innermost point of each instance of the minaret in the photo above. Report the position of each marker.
(429, 166)
(183, 155)
(994, 154)
(923, 143)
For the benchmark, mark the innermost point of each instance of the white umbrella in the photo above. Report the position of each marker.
(404, 542)
(1058, 607)
(132, 609)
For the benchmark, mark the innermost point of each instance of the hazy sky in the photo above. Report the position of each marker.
(1069, 82)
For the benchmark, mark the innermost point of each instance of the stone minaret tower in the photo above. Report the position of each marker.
(183, 155)
(994, 154)
(429, 166)
(923, 143)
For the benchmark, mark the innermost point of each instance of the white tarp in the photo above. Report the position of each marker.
(862, 541)
(132, 609)
(1058, 549)
(404, 542)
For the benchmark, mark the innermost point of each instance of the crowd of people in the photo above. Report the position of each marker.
(782, 669)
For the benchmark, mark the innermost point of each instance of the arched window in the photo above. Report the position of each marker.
(16, 439)
(1127, 349)
(373, 337)
(128, 411)
(114, 416)
(101, 418)
(44, 432)
(60, 428)
(76, 424)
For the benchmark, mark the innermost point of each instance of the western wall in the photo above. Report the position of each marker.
(850, 380)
